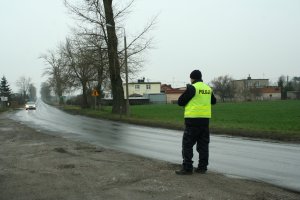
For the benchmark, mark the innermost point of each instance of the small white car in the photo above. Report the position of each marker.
(30, 105)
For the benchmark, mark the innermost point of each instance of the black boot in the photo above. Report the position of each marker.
(201, 170)
(184, 172)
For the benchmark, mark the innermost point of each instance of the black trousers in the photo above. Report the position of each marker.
(191, 136)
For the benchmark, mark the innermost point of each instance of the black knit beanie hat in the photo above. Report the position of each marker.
(196, 75)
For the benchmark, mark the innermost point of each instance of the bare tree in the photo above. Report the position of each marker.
(224, 87)
(57, 72)
(97, 49)
(45, 91)
(23, 84)
(82, 62)
(282, 84)
(100, 14)
(296, 83)
(32, 92)
(82, 66)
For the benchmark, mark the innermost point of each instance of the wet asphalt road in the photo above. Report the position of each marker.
(275, 163)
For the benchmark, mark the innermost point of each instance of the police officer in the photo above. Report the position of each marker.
(197, 101)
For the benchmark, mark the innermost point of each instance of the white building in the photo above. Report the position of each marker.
(142, 88)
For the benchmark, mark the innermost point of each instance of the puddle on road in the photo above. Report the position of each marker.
(235, 176)
(35, 144)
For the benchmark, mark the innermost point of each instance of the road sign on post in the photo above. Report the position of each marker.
(95, 93)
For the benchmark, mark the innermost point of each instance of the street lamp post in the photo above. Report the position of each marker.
(126, 71)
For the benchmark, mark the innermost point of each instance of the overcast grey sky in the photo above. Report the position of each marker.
(219, 37)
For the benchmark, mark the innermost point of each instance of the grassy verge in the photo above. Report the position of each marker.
(3, 110)
(277, 120)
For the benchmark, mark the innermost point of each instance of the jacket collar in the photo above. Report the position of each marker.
(198, 80)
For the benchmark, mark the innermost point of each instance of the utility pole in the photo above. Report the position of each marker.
(126, 74)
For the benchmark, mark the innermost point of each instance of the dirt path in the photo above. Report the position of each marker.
(35, 165)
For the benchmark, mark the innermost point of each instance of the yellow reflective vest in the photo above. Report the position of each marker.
(200, 105)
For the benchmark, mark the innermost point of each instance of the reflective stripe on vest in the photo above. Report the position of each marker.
(200, 105)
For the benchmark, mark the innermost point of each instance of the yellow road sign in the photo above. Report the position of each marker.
(95, 93)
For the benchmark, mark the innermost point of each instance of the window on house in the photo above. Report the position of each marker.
(137, 87)
(148, 87)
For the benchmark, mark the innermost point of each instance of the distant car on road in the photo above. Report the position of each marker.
(30, 105)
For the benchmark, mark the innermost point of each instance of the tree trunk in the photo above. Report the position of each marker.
(99, 84)
(84, 95)
(100, 70)
(61, 99)
(114, 64)
(60, 93)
